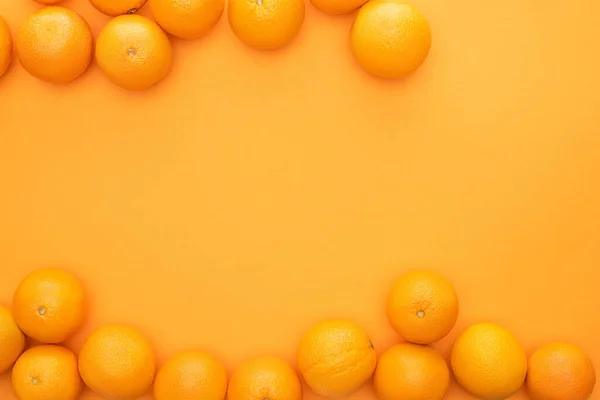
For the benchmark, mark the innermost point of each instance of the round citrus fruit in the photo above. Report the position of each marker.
(117, 362)
(422, 307)
(336, 358)
(187, 19)
(133, 52)
(191, 376)
(264, 378)
(49, 305)
(12, 340)
(117, 7)
(390, 39)
(488, 361)
(5, 46)
(47, 372)
(411, 371)
(266, 24)
(560, 371)
(55, 44)
(338, 7)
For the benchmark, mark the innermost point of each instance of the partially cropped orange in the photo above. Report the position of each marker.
(49, 305)
(264, 378)
(266, 24)
(337, 7)
(422, 306)
(12, 340)
(389, 38)
(560, 371)
(191, 375)
(47, 372)
(488, 361)
(55, 44)
(114, 8)
(411, 371)
(134, 52)
(189, 19)
(117, 362)
(6, 46)
(336, 358)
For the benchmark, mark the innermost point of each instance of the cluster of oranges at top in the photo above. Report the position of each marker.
(389, 38)
(335, 358)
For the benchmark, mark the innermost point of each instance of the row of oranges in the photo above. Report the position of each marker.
(335, 358)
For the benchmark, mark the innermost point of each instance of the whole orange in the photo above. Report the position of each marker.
(49, 305)
(187, 19)
(422, 307)
(12, 340)
(411, 371)
(5, 46)
(191, 376)
(114, 8)
(117, 362)
(336, 358)
(560, 371)
(264, 378)
(488, 361)
(337, 7)
(266, 24)
(55, 44)
(134, 52)
(389, 38)
(47, 372)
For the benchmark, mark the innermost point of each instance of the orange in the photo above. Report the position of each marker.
(49, 305)
(336, 358)
(47, 372)
(488, 361)
(5, 46)
(560, 371)
(55, 44)
(337, 7)
(422, 307)
(12, 340)
(114, 8)
(411, 372)
(191, 376)
(390, 39)
(117, 362)
(266, 24)
(264, 378)
(133, 52)
(187, 19)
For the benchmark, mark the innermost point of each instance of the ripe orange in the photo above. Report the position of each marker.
(47, 372)
(117, 7)
(411, 371)
(133, 52)
(422, 307)
(337, 7)
(189, 19)
(390, 39)
(266, 24)
(191, 376)
(336, 358)
(264, 378)
(117, 362)
(12, 340)
(49, 305)
(560, 371)
(55, 44)
(488, 361)
(5, 47)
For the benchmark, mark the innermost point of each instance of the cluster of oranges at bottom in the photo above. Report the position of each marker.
(335, 358)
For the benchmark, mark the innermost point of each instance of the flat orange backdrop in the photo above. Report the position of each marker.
(251, 195)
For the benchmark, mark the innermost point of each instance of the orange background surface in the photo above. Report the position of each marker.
(251, 195)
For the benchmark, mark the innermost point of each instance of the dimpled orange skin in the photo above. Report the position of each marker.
(12, 340)
(55, 44)
(337, 7)
(5, 46)
(114, 8)
(134, 52)
(488, 361)
(47, 372)
(191, 376)
(187, 19)
(264, 378)
(560, 371)
(336, 358)
(422, 307)
(266, 24)
(117, 362)
(49, 305)
(390, 39)
(411, 372)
